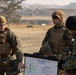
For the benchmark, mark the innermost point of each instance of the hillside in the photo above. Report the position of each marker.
(39, 13)
(39, 16)
(34, 6)
(70, 6)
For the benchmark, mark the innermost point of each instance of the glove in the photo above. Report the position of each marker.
(36, 54)
(60, 64)
(53, 58)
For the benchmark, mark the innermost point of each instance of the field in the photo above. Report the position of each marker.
(30, 37)
(36, 18)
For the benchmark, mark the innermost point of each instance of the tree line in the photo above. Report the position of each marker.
(8, 9)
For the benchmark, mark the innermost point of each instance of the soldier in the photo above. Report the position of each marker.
(70, 65)
(10, 50)
(56, 37)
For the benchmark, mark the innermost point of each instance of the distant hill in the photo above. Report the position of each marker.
(34, 6)
(44, 11)
(70, 6)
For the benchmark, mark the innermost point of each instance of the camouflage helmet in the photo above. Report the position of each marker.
(71, 23)
(2, 20)
(60, 14)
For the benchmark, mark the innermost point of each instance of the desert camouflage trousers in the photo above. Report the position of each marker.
(7, 68)
(70, 72)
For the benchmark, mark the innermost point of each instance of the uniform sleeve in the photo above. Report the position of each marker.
(16, 46)
(71, 63)
(67, 36)
(45, 49)
(46, 36)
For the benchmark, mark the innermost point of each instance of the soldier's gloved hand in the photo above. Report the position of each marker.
(60, 64)
(53, 58)
(36, 54)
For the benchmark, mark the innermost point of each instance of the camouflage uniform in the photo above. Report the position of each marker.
(10, 52)
(55, 40)
(70, 65)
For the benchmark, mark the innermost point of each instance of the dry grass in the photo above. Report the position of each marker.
(31, 38)
(36, 17)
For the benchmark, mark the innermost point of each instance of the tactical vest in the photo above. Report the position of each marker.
(5, 48)
(57, 41)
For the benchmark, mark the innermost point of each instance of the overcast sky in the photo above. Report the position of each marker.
(50, 2)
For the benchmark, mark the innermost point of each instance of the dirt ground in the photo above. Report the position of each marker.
(30, 36)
